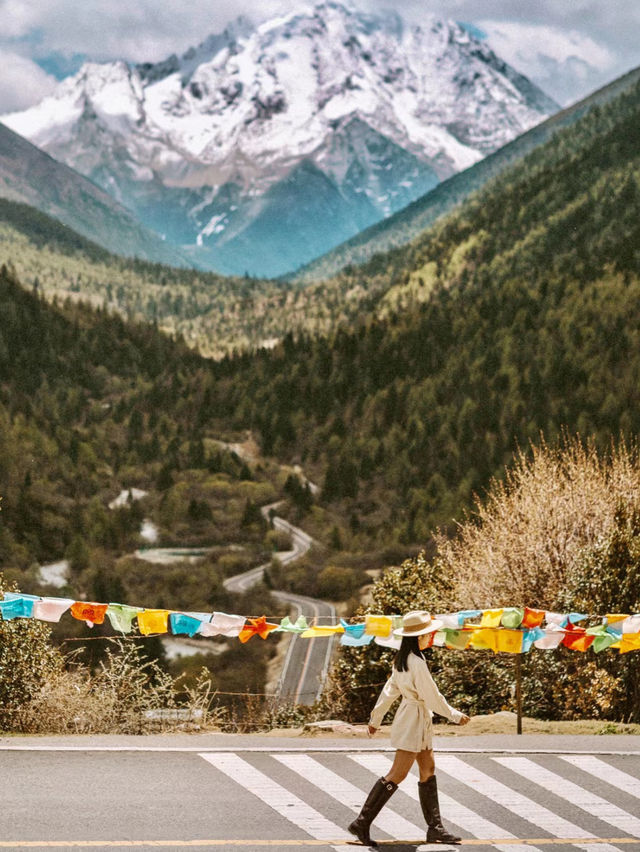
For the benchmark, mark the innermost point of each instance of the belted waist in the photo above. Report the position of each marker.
(415, 701)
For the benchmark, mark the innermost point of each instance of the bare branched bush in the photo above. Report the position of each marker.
(561, 533)
(530, 532)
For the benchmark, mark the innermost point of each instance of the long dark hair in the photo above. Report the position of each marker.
(409, 645)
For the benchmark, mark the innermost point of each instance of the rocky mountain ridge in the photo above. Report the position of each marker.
(265, 146)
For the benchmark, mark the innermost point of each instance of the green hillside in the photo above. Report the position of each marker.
(213, 313)
(91, 405)
(405, 225)
(517, 313)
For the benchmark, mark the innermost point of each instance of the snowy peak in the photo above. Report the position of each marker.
(152, 72)
(198, 144)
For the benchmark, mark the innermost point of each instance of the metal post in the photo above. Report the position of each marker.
(519, 691)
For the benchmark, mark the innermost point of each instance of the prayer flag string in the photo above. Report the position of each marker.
(510, 630)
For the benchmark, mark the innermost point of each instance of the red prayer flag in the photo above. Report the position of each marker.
(259, 626)
(578, 639)
(87, 611)
(532, 617)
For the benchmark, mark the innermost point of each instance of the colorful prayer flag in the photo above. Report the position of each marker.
(153, 621)
(256, 627)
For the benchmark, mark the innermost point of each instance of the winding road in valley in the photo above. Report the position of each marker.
(307, 661)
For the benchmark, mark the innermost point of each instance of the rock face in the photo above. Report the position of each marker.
(268, 145)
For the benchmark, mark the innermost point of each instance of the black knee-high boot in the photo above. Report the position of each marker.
(436, 833)
(378, 797)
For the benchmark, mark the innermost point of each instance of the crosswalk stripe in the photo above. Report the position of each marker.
(348, 794)
(227, 843)
(605, 772)
(453, 811)
(524, 807)
(573, 793)
(283, 801)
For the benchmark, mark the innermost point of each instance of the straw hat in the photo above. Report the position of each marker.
(416, 623)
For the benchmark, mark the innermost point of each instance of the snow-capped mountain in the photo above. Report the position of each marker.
(268, 145)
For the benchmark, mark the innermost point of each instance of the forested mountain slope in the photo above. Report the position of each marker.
(30, 176)
(399, 229)
(91, 404)
(214, 313)
(520, 313)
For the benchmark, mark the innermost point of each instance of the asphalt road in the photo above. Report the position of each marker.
(303, 796)
(307, 660)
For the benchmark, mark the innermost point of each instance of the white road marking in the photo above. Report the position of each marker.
(452, 810)
(348, 794)
(283, 801)
(520, 805)
(605, 772)
(573, 793)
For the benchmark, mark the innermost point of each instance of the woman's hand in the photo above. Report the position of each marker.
(371, 730)
(464, 720)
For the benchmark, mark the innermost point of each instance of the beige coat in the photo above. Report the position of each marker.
(412, 729)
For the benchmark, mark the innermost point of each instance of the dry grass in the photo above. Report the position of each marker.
(125, 696)
(505, 722)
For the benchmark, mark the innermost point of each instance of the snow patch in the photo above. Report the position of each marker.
(126, 496)
(55, 574)
(149, 531)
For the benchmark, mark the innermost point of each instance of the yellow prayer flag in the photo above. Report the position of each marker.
(629, 642)
(153, 621)
(378, 625)
(613, 617)
(322, 631)
(491, 617)
(483, 639)
(509, 641)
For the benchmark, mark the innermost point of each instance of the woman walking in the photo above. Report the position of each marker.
(411, 732)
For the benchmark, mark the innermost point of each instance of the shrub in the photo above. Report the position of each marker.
(26, 660)
(607, 580)
(278, 540)
(338, 584)
(127, 695)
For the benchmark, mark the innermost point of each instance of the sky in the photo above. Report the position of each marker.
(568, 47)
